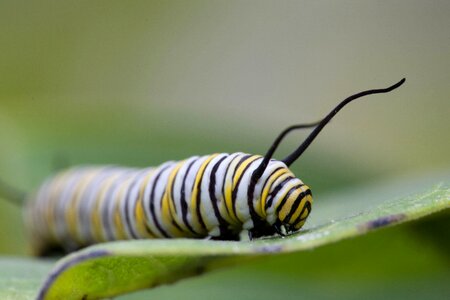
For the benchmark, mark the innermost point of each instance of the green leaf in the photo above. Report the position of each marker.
(109, 269)
(20, 278)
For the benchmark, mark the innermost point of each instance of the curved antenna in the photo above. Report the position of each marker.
(298, 152)
(260, 170)
(11, 194)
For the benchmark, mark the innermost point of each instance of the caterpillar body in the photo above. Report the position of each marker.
(207, 196)
(216, 196)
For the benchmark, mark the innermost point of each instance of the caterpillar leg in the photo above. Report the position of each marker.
(246, 235)
(228, 237)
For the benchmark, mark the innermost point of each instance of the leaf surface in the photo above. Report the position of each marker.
(114, 268)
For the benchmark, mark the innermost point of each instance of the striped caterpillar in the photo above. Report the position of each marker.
(216, 196)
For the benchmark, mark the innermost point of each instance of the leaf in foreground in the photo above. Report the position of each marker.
(20, 278)
(109, 269)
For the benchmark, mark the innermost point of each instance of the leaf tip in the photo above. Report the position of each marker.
(75, 259)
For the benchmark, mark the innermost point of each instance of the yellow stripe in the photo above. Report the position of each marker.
(239, 172)
(120, 232)
(171, 182)
(279, 175)
(300, 225)
(96, 224)
(140, 213)
(198, 177)
(167, 204)
(71, 214)
(306, 212)
(280, 198)
(229, 190)
(54, 196)
(302, 204)
(288, 205)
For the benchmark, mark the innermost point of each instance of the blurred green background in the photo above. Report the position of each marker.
(139, 83)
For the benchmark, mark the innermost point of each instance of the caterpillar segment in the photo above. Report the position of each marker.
(216, 196)
(199, 197)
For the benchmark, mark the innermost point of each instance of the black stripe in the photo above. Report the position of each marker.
(174, 223)
(272, 194)
(147, 228)
(199, 188)
(268, 177)
(299, 219)
(128, 221)
(184, 205)
(83, 216)
(296, 204)
(172, 199)
(283, 201)
(244, 158)
(250, 193)
(223, 225)
(256, 219)
(77, 193)
(235, 190)
(152, 202)
(135, 203)
(171, 190)
(104, 213)
(224, 181)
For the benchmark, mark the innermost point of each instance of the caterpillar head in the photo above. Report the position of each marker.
(287, 203)
(293, 210)
(284, 201)
(290, 201)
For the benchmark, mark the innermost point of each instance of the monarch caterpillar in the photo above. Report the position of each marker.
(214, 196)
